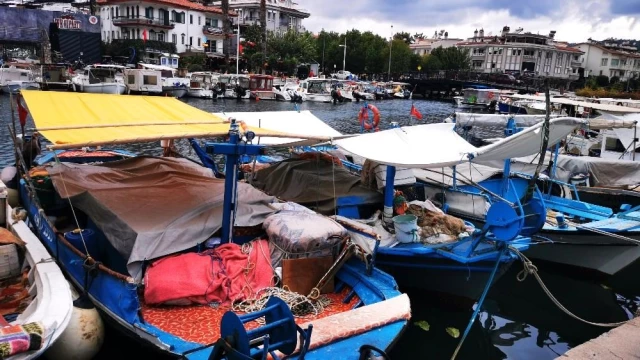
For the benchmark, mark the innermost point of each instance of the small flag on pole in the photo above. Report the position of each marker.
(415, 113)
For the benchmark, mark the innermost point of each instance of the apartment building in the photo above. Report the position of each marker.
(609, 59)
(282, 15)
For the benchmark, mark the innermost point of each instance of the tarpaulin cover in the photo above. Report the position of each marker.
(313, 183)
(214, 276)
(79, 119)
(438, 145)
(150, 207)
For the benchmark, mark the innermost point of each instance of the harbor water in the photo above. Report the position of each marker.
(517, 321)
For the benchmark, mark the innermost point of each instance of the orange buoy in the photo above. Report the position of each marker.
(363, 117)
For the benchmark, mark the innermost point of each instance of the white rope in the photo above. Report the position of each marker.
(529, 268)
(301, 306)
(73, 212)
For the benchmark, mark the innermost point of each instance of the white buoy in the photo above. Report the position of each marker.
(84, 336)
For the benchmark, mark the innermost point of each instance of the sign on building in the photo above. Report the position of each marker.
(67, 22)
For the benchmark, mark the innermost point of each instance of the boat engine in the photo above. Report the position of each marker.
(240, 92)
(280, 333)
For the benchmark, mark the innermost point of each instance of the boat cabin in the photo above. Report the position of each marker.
(261, 83)
(143, 81)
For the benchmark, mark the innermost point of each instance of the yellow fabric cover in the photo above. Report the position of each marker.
(84, 119)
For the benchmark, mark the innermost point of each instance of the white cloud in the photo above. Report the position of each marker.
(573, 21)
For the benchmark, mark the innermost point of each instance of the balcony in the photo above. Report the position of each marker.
(143, 21)
(212, 31)
(576, 63)
(478, 56)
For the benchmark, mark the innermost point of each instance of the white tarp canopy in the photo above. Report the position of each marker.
(473, 119)
(438, 145)
(630, 132)
(294, 122)
(600, 107)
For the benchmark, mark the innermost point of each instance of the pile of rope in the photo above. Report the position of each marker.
(301, 306)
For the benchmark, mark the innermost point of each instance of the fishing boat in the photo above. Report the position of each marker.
(455, 268)
(317, 89)
(144, 222)
(576, 233)
(143, 81)
(235, 86)
(172, 84)
(261, 87)
(37, 306)
(100, 79)
(55, 77)
(477, 98)
(202, 85)
(15, 77)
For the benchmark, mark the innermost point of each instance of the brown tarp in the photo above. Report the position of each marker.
(313, 183)
(150, 207)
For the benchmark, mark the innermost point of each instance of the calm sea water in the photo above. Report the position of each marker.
(517, 320)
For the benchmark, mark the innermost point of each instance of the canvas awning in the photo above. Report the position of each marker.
(601, 107)
(438, 145)
(299, 122)
(72, 120)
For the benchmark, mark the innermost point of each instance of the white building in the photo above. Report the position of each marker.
(612, 60)
(425, 46)
(524, 52)
(189, 25)
(282, 15)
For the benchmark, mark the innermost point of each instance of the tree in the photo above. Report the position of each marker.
(431, 63)
(418, 36)
(288, 50)
(400, 56)
(404, 36)
(614, 80)
(452, 58)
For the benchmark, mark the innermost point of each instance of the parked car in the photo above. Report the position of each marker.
(342, 75)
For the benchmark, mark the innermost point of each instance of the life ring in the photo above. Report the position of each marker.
(363, 117)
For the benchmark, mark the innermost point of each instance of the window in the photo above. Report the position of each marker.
(113, 34)
(528, 53)
(604, 62)
(190, 19)
(117, 13)
(161, 36)
(615, 62)
(131, 79)
(149, 80)
(183, 36)
(148, 13)
(198, 42)
(138, 11)
(112, 13)
(174, 39)
(190, 40)
(199, 18)
(182, 17)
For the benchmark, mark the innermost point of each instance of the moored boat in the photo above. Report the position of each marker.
(363, 307)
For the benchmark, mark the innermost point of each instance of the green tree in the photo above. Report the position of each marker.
(404, 36)
(400, 56)
(431, 63)
(452, 58)
(286, 51)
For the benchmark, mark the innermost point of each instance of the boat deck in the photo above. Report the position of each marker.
(201, 324)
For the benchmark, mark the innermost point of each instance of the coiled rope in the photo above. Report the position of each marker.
(301, 306)
(529, 268)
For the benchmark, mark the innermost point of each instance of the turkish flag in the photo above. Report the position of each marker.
(22, 111)
(415, 113)
(144, 35)
(241, 49)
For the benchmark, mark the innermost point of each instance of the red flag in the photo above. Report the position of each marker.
(144, 35)
(415, 113)
(22, 111)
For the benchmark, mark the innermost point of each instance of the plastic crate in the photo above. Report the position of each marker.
(9, 261)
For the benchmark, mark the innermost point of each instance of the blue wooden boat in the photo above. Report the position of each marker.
(367, 314)
(576, 234)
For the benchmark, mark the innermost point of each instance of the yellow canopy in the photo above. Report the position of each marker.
(71, 120)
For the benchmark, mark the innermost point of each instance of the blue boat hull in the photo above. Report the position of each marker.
(116, 297)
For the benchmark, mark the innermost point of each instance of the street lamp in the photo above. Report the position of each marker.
(390, 47)
(344, 58)
(238, 45)
(324, 41)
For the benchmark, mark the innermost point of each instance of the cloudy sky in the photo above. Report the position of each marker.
(573, 20)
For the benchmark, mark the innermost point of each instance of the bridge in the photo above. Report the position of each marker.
(446, 83)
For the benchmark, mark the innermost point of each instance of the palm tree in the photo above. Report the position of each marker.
(263, 31)
(226, 45)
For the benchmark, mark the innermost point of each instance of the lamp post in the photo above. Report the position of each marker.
(324, 41)
(344, 57)
(390, 47)
(238, 45)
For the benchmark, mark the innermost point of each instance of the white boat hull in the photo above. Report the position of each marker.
(174, 91)
(14, 87)
(103, 88)
(200, 93)
(325, 98)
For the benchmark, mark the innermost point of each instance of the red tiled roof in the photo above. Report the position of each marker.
(612, 51)
(568, 48)
(185, 4)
